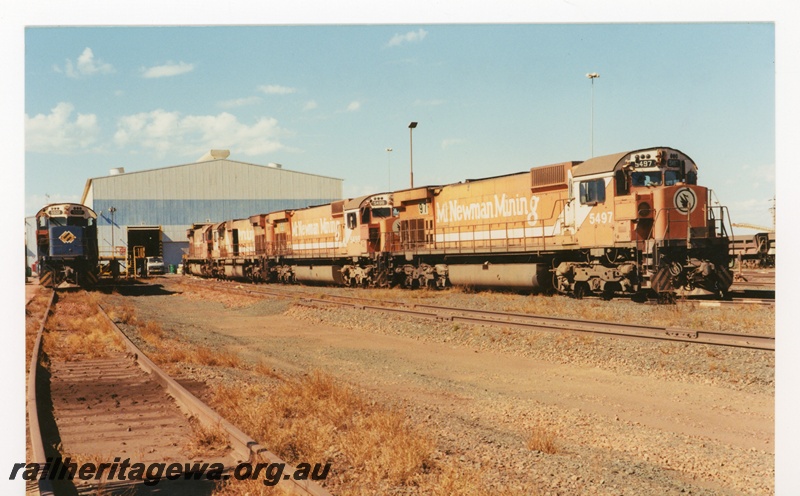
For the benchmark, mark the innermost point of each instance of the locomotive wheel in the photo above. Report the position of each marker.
(609, 289)
(581, 290)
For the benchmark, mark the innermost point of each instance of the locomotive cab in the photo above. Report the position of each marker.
(682, 238)
(644, 225)
(368, 239)
(66, 238)
(368, 224)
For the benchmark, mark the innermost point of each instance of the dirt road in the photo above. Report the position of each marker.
(616, 432)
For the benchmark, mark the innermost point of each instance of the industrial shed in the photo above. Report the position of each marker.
(154, 208)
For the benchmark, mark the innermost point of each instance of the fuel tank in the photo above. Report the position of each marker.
(529, 277)
(318, 274)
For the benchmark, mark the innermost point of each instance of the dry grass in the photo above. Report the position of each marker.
(170, 351)
(206, 356)
(543, 440)
(34, 312)
(265, 370)
(78, 329)
(151, 332)
(206, 441)
(125, 313)
(169, 354)
(408, 450)
(372, 449)
(250, 487)
(315, 419)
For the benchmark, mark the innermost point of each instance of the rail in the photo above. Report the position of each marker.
(44, 486)
(511, 319)
(244, 446)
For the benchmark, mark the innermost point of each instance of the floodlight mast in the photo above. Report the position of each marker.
(592, 76)
(411, 149)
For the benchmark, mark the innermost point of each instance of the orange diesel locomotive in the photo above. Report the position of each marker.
(631, 223)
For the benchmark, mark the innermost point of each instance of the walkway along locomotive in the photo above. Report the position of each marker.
(66, 242)
(629, 223)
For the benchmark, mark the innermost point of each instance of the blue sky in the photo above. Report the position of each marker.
(489, 98)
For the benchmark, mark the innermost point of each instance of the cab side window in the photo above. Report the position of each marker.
(593, 191)
(351, 220)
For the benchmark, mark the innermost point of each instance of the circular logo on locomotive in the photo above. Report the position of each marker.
(685, 200)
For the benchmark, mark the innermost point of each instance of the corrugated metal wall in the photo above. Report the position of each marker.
(175, 197)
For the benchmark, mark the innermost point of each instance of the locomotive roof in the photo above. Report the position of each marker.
(354, 203)
(66, 207)
(598, 165)
(610, 163)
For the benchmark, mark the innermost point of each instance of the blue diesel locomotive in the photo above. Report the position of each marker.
(66, 241)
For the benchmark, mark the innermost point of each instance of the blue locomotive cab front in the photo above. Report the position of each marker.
(66, 236)
(66, 242)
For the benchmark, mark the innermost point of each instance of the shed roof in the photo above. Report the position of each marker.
(273, 170)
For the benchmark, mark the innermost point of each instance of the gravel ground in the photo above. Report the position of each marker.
(627, 416)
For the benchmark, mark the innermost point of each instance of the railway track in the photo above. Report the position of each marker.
(110, 402)
(507, 319)
(734, 302)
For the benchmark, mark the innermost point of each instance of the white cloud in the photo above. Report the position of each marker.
(239, 102)
(274, 89)
(310, 105)
(354, 106)
(59, 132)
(410, 37)
(167, 70)
(189, 135)
(85, 65)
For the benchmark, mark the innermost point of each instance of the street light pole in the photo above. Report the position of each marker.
(411, 148)
(592, 76)
(113, 248)
(389, 167)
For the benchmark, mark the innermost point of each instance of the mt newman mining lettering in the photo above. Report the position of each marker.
(502, 206)
(321, 227)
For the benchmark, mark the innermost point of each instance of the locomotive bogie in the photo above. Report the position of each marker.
(582, 278)
(422, 275)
